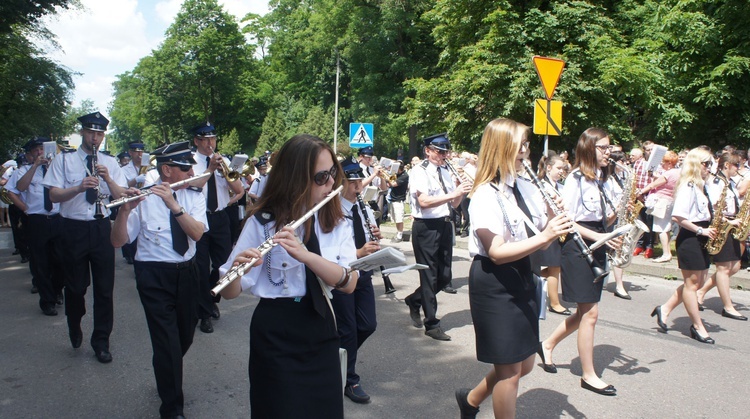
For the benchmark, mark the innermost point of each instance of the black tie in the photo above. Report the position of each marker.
(313, 287)
(91, 192)
(213, 200)
(710, 205)
(440, 178)
(522, 205)
(47, 201)
(179, 238)
(359, 232)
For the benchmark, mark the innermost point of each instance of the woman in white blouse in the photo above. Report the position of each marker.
(501, 287)
(693, 213)
(294, 362)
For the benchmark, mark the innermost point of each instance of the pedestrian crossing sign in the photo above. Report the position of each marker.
(360, 135)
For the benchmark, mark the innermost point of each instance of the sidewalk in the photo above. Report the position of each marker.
(639, 265)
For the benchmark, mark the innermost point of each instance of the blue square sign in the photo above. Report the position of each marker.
(360, 135)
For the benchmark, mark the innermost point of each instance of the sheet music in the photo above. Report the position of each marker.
(394, 168)
(238, 161)
(401, 269)
(50, 149)
(657, 154)
(370, 193)
(145, 160)
(385, 162)
(387, 257)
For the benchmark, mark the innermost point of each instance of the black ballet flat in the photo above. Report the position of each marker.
(625, 296)
(610, 390)
(701, 307)
(550, 368)
(565, 312)
(659, 321)
(694, 334)
(724, 313)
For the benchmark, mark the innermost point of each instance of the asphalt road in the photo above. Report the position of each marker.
(407, 374)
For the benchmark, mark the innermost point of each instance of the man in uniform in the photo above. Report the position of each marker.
(371, 177)
(433, 192)
(355, 312)
(135, 175)
(123, 158)
(167, 224)
(77, 184)
(43, 225)
(216, 245)
(259, 183)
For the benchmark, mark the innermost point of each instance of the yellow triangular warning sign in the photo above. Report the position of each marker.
(549, 71)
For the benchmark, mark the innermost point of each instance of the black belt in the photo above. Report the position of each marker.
(432, 220)
(167, 265)
(215, 212)
(49, 217)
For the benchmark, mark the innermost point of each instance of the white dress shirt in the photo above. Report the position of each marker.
(691, 204)
(222, 187)
(33, 196)
(68, 170)
(583, 199)
(425, 181)
(258, 185)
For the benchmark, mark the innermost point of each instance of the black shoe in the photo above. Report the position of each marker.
(449, 289)
(215, 313)
(694, 334)
(733, 316)
(207, 326)
(565, 312)
(174, 417)
(467, 411)
(437, 334)
(701, 307)
(625, 296)
(415, 314)
(659, 321)
(103, 356)
(24, 259)
(34, 289)
(49, 311)
(16, 252)
(129, 261)
(355, 393)
(550, 368)
(76, 336)
(610, 390)
(59, 299)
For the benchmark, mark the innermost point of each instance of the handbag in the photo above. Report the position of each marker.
(343, 358)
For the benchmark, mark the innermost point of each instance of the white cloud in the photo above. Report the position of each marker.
(167, 10)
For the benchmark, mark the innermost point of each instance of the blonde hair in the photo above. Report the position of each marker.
(691, 168)
(501, 143)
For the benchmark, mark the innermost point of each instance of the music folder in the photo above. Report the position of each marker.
(238, 161)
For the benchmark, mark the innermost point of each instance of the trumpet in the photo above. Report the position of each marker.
(458, 175)
(599, 273)
(229, 174)
(147, 191)
(238, 271)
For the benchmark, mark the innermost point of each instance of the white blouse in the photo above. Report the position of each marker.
(583, 198)
(690, 203)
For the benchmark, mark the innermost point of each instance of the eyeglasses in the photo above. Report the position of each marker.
(706, 163)
(604, 147)
(182, 168)
(321, 178)
(525, 145)
(439, 151)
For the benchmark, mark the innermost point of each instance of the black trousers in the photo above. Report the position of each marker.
(212, 251)
(465, 213)
(647, 239)
(233, 213)
(128, 250)
(432, 241)
(355, 318)
(18, 223)
(169, 295)
(46, 256)
(89, 258)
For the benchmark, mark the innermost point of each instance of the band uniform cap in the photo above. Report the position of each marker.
(438, 141)
(123, 155)
(352, 169)
(366, 151)
(205, 130)
(94, 121)
(262, 161)
(176, 153)
(136, 145)
(35, 142)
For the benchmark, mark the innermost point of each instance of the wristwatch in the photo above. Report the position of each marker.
(182, 211)
(699, 231)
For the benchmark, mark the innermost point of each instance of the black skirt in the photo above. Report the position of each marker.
(294, 364)
(549, 257)
(577, 278)
(504, 310)
(691, 249)
(730, 252)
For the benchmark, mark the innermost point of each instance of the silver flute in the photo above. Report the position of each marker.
(238, 271)
(147, 191)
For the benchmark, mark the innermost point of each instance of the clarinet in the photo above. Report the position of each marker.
(238, 271)
(98, 203)
(389, 289)
(599, 273)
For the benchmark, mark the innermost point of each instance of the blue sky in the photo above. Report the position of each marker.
(108, 38)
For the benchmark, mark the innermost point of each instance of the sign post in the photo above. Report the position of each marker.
(548, 119)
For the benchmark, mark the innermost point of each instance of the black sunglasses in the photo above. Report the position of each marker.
(706, 163)
(321, 178)
(181, 167)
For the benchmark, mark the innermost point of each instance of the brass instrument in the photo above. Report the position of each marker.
(599, 273)
(238, 271)
(229, 174)
(457, 174)
(5, 196)
(147, 191)
(719, 223)
(623, 256)
(247, 170)
(389, 289)
(740, 233)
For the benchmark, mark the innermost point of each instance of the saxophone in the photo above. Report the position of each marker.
(740, 233)
(719, 223)
(624, 255)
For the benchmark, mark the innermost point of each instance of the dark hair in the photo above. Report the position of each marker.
(287, 193)
(586, 160)
(547, 161)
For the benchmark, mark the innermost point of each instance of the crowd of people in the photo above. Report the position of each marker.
(291, 223)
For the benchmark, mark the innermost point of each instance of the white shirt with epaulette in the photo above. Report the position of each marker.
(222, 187)
(424, 179)
(691, 203)
(583, 198)
(33, 196)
